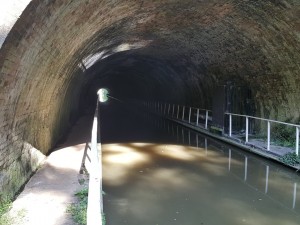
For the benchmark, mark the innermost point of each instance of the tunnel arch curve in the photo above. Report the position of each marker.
(169, 50)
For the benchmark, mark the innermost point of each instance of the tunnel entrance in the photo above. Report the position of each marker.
(56, 54)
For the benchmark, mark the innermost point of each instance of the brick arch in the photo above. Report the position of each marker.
(159, 46)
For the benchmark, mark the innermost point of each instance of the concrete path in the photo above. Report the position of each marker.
(46, 196)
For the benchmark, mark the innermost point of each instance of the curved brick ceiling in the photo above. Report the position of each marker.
(169, 50)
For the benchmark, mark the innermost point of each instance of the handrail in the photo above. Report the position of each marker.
(264, 119)
(268, 129)
(176, 111)
(95, 202)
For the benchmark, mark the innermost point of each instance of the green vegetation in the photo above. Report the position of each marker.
(283, 135)
(78, 210)
(290, 159)
(4, 208)
(5, 217)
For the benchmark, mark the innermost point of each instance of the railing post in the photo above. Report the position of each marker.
(269, 135)
(178, 111)
(183, 112)
(173, 110)
(230, 125)
(197, 122)
(190, 114)
(169, 109)
(247, 129)
(297, 140)
(158, 107)
(206, 119)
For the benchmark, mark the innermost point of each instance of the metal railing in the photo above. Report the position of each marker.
(95, 201)
(189, 114)
(269, 122)
(193, 115)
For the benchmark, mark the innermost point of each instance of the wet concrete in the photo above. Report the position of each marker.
(158, 173)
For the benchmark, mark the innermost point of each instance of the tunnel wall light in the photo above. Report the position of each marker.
(103, 95)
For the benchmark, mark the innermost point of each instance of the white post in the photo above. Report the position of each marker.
(190, 115)
(173, 110)
(297, 140)
(267, 179)
(247, 129)
(197, 122)
(230, 125)
(178, 112)
(169, 109)
(206, 119)
(269, 136)
(183, 112)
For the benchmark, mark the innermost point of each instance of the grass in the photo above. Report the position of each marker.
(283, 135)
(6, 218)
(78, 210)
(4, 208)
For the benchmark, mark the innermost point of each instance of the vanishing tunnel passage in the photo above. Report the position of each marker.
(158, 172)
(58, 53)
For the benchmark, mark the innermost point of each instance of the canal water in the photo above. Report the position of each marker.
(156, 172)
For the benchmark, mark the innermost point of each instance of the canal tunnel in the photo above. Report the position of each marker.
(58, 53)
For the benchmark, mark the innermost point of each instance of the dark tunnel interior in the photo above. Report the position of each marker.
(59, 53)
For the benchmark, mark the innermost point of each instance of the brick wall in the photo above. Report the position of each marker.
(185, 47)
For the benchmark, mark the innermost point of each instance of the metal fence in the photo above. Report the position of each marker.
(203, 118)
(269, 123)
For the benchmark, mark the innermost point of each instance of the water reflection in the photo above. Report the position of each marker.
(176, 176)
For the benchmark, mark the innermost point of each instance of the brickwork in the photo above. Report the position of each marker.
(168, 50)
